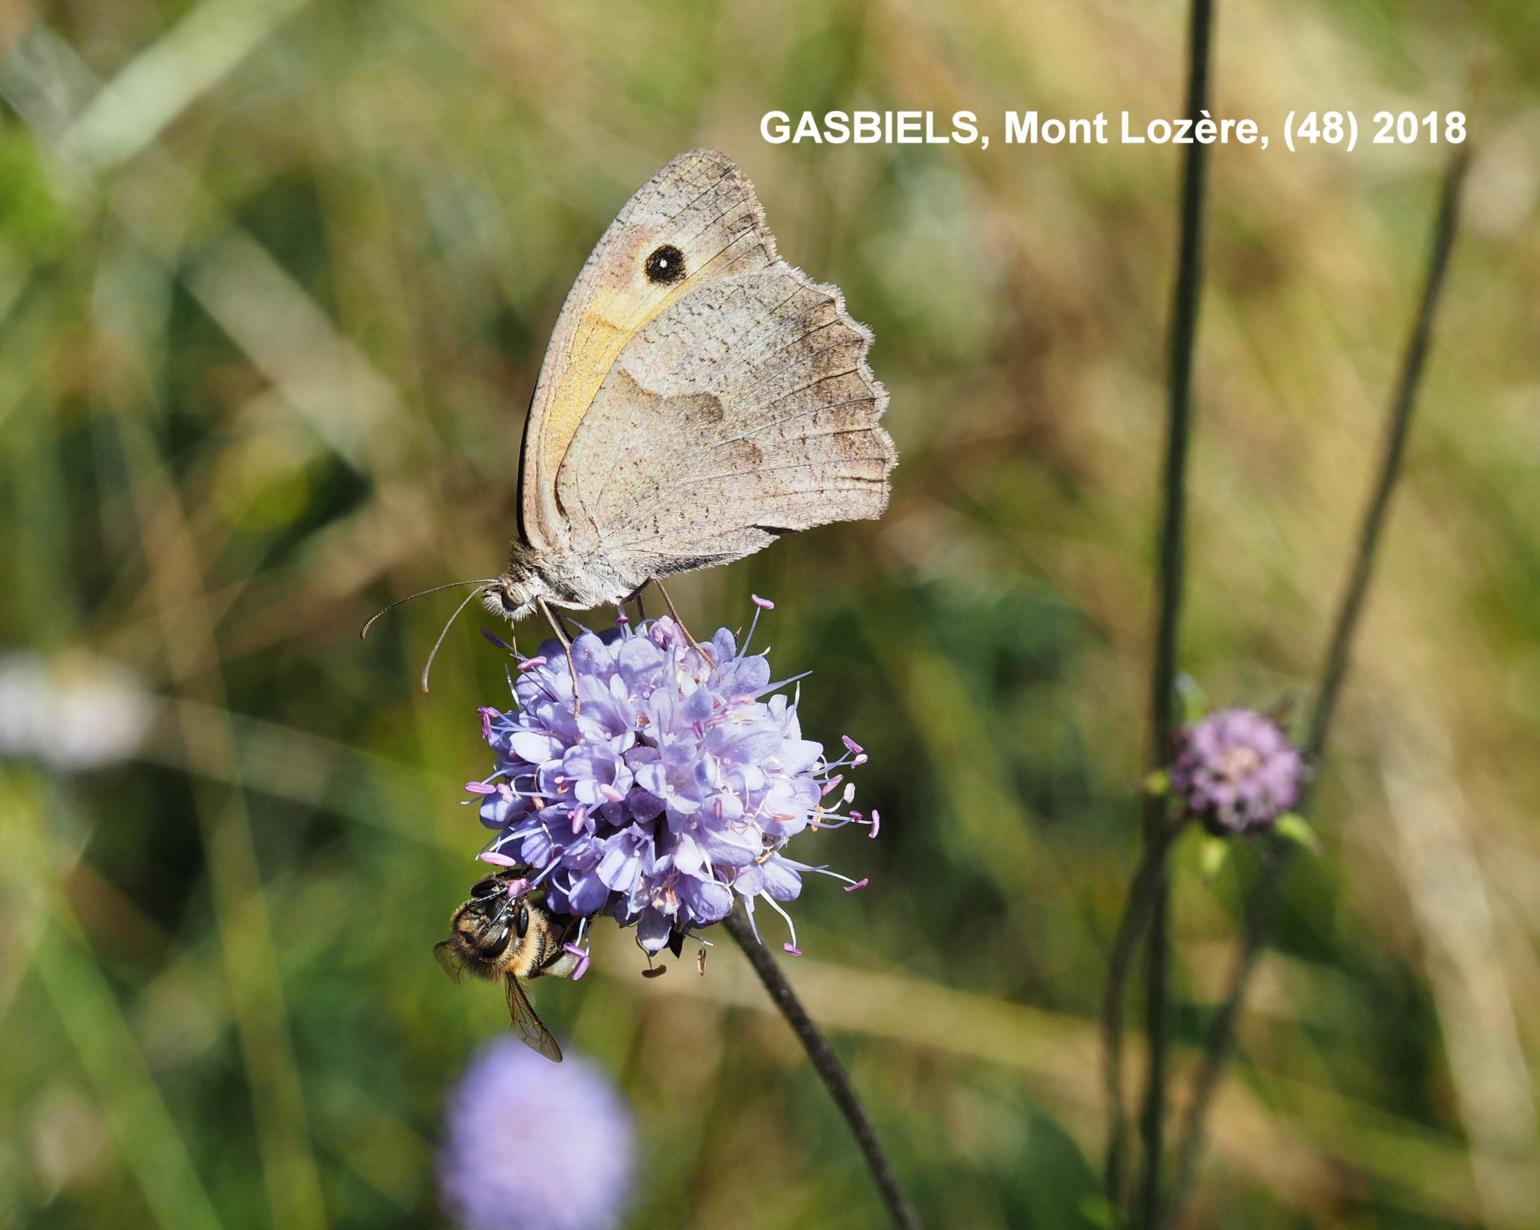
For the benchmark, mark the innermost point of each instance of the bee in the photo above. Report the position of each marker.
(494, 935)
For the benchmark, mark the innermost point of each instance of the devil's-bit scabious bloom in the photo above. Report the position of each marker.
(1236, 771)
(533, 1144)
(672, 789)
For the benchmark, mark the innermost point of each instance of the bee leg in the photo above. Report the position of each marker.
(566, 644)
(672, 610)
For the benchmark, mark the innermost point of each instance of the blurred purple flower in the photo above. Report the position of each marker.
(1236, 771)
(674, 787)
(529, 1143)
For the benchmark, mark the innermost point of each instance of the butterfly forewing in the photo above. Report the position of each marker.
(696, 221)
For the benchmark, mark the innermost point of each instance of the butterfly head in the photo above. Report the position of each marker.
(514, 594)
(570, 579)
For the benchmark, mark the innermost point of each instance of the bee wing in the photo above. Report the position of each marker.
(532, 1031)
(448, 960)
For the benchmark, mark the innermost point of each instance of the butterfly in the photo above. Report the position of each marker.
(699, 398)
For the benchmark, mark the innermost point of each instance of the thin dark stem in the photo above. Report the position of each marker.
(1267, 894)
(1184, 331)
(1261, 910)
(1171, 569)
(1398, 428)
(1152, 1112)
(828, 1066)
(1143, 891)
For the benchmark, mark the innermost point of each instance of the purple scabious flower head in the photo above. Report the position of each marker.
(671, 789)
(533, 1145)
(1236, 771)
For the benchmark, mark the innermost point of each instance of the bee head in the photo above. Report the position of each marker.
(489, 925)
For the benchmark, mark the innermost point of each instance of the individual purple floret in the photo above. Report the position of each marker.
(673, 787)
(533, 1145)
(1236, 771)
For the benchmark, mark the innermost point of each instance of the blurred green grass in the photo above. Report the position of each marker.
(275, 282)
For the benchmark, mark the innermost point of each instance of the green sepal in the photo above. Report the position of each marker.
(1292, 826)
(1192, 698)
(1211, 855)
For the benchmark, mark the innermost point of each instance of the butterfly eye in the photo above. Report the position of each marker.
(665, 265)
(521, 924)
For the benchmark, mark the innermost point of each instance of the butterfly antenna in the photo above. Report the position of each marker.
(443, 632)
(364, 631)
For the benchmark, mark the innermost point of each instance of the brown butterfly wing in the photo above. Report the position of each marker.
(743, 412)
(701, 206)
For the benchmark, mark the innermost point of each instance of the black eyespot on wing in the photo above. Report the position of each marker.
(522, 922)
(665, 266)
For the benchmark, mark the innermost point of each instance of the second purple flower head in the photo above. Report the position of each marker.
(1236, 771)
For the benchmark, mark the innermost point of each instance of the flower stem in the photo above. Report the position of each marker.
(1267, 894)
(1143, 891)
(1171, 567)
(827, 1064)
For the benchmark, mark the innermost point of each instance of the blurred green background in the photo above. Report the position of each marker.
(275, 283)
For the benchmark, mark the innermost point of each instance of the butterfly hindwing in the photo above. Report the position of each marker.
(743, 411)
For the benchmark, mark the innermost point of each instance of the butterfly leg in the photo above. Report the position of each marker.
(636, 596)
(672, 610)
(566, 644)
